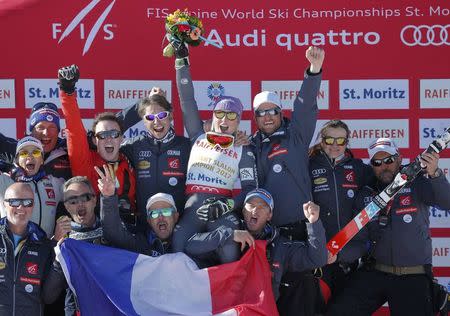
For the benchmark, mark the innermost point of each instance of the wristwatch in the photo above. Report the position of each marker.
(437, 173)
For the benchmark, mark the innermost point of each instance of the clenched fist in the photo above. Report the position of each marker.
(315, 56)
(68, 77)
(311, 211)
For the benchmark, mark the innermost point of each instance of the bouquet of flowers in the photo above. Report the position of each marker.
(183, 28)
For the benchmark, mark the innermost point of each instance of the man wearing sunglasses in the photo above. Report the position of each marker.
(162, 216)
(282, 158)
(216, 164)
(80, 202)
(106, 137)
(27, 276)
(47, 190)
(43, 125)
(401, 243)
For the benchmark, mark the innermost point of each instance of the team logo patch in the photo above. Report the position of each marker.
(406, 210)
(407, 218)
(318, 172)
(277, 168)
(28, 288)
(350, 176)
(143, 164)
(174, 153)
(32, 253)
(405, 200)
(173, 181)
(320, 181)
(247, 174)
(32, 268)
(2, 265)
(215, 91)
(277, 150)
(50, 193)
(174, 163)
(173, 173)
(30, 280)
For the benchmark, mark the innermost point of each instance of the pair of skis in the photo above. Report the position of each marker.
(405, 176)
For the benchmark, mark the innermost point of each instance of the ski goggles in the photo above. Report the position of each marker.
(166, 212)
(221, 114)
(387, 160)
(19, 202)
(340, 141)
(223, 140)
(160, 116)
(108, 134)
(36, 153)
(83, 198)
(261, 113)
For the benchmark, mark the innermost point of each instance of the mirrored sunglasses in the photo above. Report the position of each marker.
(18, 202)
(83, 198)
(340, 141)
(230, 115)
(36, 153)
(222, 140)
(166, 212)
(274, 111)
(108, 134)
(387, 160)
(161, 116)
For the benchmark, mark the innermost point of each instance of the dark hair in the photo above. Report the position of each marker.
(78, 179)
(155, 99)
(107, 116)
(314, 150)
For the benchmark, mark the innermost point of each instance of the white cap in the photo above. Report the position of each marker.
(29, 141)
(266, 97)
(161, 197)
(382, 144)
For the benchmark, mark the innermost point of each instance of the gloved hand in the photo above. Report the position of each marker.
(212, 209)
(68, 77)
(180, 48)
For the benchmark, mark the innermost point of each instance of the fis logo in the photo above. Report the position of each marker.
(77, 22)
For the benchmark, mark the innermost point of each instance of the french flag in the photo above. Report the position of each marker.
(110, 281)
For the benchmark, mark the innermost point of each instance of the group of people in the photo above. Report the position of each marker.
(162, 193)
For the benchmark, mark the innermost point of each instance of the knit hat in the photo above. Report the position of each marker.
(382, 144)
(44, 112)
(261, 193)
(161, 197)
(28, 141)
(266, 97)
(230, 104)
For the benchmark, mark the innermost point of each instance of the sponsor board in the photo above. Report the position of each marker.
(7, 94)
(119, 94)
(374, 94)
(8, 127)
(441, 252)
(288, 91)
(430, 129)
(47, 90)
(439, 218)
(434, 93)
(363, 132)
(207, 92)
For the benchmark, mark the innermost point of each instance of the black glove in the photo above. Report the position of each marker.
(181, 50)
(68, 77)
(212, 209)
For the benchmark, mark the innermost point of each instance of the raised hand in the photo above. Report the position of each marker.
(311, 211)
(244, 238)
(106, 184)
(241, 139)
(430, 161)
(211, 210)
(62, 227)
(68, 77)
(157, 90)
(315, 56)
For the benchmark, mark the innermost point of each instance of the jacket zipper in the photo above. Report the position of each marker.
(336, 195)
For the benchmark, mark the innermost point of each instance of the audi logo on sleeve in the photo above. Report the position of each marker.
(425, 35)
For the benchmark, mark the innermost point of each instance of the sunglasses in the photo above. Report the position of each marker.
(387, 161)
(261, 113)
(19, 202)
(166, 212)
(230, 115)
(36, 153)
(83, 198)
(222, 140)
(108, 134)
(340, 141)
(161, 116)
